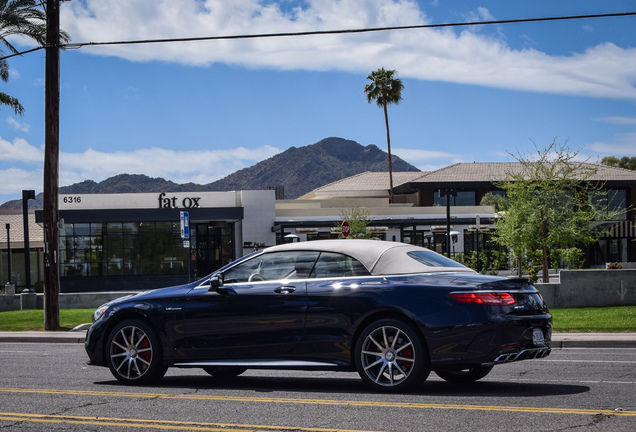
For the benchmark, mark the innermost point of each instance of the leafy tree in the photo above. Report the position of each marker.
(624, 162)
(385, 89)
(571, 258)
(553, 200)
(358, 220)
(497, 201)
(20, 18)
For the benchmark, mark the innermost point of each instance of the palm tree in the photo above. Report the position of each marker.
(385, 90)
(20, 18)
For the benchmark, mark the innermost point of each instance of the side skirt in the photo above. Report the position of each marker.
(261, 364)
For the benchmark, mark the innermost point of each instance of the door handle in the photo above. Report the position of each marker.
(285, 289)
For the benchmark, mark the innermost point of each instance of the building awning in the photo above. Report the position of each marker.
(623, 229)
(147, 215)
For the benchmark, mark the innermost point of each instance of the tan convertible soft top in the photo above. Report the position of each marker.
(380, 257)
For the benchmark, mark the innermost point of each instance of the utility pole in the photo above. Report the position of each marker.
(51, 165)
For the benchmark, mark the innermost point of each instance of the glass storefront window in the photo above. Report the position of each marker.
(130, 248)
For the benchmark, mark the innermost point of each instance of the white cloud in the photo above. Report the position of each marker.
(15, 180)
(618, 120)
(605, 70)
(622, 145)
(197, 166)
(427, 160)
(417, 156)
(481, 14)
(24, 127)
(20, 151)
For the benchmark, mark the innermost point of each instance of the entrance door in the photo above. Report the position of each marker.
(212, 247)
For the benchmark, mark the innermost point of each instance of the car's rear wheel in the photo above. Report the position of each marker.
(391, 356)
(224, 372)
(134, 353)
(464, 375)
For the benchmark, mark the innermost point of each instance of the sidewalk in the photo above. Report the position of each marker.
(559, 340)
(44, 336)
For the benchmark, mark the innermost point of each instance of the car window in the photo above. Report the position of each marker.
(433, 259)
(272, 266)
(331, 264)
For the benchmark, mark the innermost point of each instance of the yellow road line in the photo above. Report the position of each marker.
(373, 404)
(158, 424)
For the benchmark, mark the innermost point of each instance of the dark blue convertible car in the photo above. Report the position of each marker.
(392, 311)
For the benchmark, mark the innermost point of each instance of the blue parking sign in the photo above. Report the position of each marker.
(185, 224)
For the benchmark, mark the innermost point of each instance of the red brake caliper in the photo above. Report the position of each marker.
(406, 365)
(146, 354)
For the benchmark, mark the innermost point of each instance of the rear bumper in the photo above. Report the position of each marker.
(524, 354)
(490, 344)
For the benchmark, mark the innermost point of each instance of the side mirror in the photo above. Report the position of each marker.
(216, 284)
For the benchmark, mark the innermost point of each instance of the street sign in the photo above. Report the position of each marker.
(346, 229)
(185, 225)
(477, 222)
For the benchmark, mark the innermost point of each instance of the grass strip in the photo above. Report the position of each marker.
(611, 319)
(33, 319)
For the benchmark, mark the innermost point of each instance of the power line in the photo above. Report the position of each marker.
(22, 52)
(331, 32)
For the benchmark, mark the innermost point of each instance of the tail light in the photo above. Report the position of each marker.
(485, 298)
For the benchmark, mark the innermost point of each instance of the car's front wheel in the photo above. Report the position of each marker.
(464, 375)
(134, 353)
(391, 356)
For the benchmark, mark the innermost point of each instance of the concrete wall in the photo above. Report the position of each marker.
(67, 301)
(259, 214)
(582, 288)
(10, 303)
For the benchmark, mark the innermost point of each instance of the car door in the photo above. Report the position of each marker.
(259, 312)
(337, 294)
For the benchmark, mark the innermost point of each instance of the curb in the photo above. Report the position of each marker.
(44, 336)
(593, 340)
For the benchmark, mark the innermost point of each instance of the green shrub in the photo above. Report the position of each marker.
(38, 287)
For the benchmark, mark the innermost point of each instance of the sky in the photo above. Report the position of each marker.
(198, 111)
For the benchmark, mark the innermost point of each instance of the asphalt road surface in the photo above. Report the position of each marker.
(49, 387)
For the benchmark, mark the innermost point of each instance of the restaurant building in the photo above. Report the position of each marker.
(111, 241)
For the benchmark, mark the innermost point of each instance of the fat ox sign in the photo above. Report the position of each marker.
(171, 202)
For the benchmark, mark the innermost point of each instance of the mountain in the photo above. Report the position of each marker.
(301, 170)
(297, 170)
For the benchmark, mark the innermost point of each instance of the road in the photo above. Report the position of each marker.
(48, 387)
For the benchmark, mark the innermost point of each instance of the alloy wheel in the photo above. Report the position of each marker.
(388, 356)
(132, 353)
